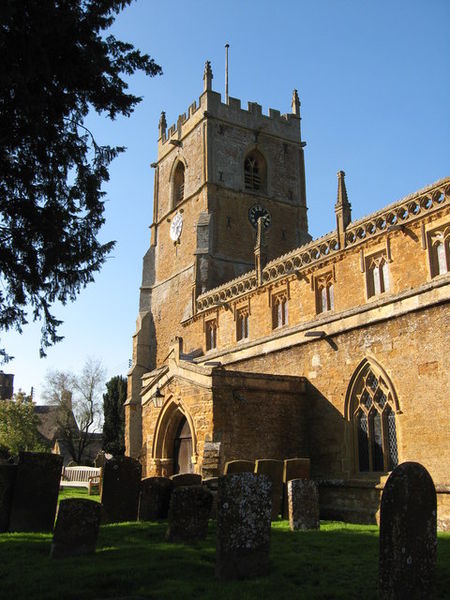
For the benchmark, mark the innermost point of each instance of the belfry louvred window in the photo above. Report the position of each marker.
(373, 417)
(255, 172)
(178, 184)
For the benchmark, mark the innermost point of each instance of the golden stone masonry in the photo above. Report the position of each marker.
(255, 341)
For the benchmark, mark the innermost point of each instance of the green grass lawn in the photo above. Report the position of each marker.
(132, 559)
(73, 492)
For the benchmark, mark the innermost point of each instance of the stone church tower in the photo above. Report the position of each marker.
(254, 341)
(219, 169)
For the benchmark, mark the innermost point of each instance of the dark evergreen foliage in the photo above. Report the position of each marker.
(56, 64)
(114, 413)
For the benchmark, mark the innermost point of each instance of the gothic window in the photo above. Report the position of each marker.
(377, 272)
(255, 172)
(372, 411)
(279, 310)
(439, 251)
(178, 184)
(211, 334)
(242, 324)
(324, 293)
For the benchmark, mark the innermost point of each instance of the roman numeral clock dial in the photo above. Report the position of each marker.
(256, 211)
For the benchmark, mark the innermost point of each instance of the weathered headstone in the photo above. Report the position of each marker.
(120, 489)
(212, 484)
(408, 542)
(239, 466)
(274, 470)
(243, 526)
(303, 501)
(35, 494)
(294, 468)
(155, 498)
(7, 478)
(183, 479)
(190, 507)
(76, 528)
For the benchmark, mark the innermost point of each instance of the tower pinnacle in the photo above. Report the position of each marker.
(162, 126)
(295, 103)
(207, 76)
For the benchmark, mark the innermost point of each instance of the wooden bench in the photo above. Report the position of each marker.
(80, 476)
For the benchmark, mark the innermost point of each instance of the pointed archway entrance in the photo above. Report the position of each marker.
(174, 444)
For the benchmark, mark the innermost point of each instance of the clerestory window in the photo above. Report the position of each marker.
(374, 426)
(439, 251)
(211, 334)
(242, 324)
(279, 310)
(377, 273)
(324, 293)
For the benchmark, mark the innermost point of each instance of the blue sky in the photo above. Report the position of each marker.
(373, 78)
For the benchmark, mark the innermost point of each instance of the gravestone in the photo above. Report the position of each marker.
(190, 507)
(274, 470)
(408, 542)
(154, 499)
(183, 479)
(7, 478)
(35, 494)
(303, 502)
(239, 466)
(244, 510)
(76, 528)
(120, 489)
(212, 484)
(294, 468)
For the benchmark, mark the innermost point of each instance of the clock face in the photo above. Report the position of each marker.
(176, 226)
(257, 211)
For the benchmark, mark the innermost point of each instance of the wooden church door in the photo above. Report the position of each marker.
(183, 448)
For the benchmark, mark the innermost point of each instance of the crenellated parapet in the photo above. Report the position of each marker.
(210, 105)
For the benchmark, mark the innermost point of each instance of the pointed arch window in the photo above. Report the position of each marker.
(372, 412)
(178, 183)
(255, 172)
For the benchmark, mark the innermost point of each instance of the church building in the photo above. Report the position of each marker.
(255, 341)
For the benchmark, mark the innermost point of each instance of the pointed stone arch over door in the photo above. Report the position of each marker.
(371, 407)
(175, 442)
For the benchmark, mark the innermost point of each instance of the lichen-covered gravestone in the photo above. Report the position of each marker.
(294, 468)
(303, 501)
(120, 489)
(239, 466)
(155, 498)
(190, 507)
(7, 478)
(182, 479)
(274, 470)
(408, 542)
(244, 510)
(76, 529)
(35, 494)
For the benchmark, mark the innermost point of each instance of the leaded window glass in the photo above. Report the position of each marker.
(373, 413)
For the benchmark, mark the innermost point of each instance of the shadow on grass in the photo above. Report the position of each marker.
(339, 561)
